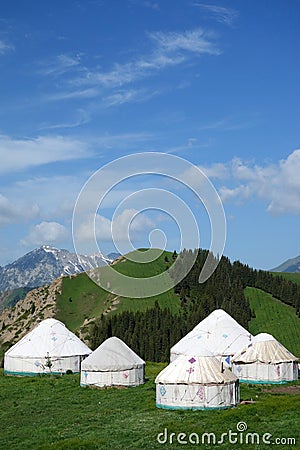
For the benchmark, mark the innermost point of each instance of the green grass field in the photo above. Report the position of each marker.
(81, 298)
(56, 413)
(295, 277)
(274, 317)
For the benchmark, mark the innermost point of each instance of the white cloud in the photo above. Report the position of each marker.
(230, 123)
(121, 97)
(151, 5)
(124, 140)
(238, 194)
(8, 213)
(46, 233)
(85, 231)
(166, 50)
(128, 96)
(146, 4)
(5, 47)
(19, 154)
(252, 180)
(191, 141)
(170, 49)
(216, 171)
(59, 65)
(81, 118)
(285, 186)
(12, 213)
(290, 168)
(196, 176)
(130, 220)
(74, 94)
(219, 13)
(277, 184)
(138, 224)
(55, 196)
(195, 41)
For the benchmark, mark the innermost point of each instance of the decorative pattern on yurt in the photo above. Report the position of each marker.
(218, 332)
(113, 363)
(265, 360)
(49, 348)
(196, 382)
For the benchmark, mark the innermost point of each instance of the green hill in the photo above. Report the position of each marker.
(274, 317)
(294, 277)
(83, 300)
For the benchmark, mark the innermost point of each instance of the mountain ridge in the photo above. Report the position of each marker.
(45, 264)
(291, 265)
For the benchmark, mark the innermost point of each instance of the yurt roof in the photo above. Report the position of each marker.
(264, 348)
(50, 338)
(193, 345)
(193, 369)
(112, 355)
(219, 332)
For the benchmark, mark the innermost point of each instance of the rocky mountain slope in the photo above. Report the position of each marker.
(44, 265)
(38, 304)
(9, 298)
(291, 265)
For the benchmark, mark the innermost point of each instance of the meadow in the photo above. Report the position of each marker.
(56, 413)
(274, 317)
(291, 276)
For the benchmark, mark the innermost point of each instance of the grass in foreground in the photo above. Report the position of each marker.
(274, 317)
(56, 413)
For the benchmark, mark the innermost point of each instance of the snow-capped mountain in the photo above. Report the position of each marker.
(44, 265)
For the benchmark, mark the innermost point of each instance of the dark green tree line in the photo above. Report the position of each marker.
(152, 333)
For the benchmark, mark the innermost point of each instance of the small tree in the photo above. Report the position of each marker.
(48, 362)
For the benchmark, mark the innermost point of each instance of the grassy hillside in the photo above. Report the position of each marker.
(274, 317)
(66, 416)
(8, 299)
(81, 298)
(295, 277)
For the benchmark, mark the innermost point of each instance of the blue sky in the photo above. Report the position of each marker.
(214, 82)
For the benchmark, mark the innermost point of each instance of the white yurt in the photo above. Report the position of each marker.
(113, 363)
(49, 347)
(196, 382)
(265, 360)
(218, 332)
